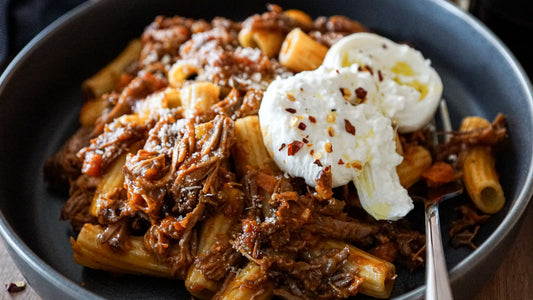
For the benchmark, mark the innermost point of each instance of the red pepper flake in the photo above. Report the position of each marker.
(291, 110)
(305, 140)
(312, 152)
(317, 162)
(337, 71)
(312, 119)
(384, 46)
(380, 76)
(361, 93)
(302, 126)
(15, 287)
(340, 162)
(294, 147)
(349, 127)
(282, 146)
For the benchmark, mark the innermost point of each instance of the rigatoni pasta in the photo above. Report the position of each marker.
(480, 176)
(250, 282)
(89, 251)
(377, 275)
(197, 98)
(246, 151)
(215, 234)
(416, 160)
(299, 52)
(107, 78)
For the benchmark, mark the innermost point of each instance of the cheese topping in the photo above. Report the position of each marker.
(342, 115)
(325, 118)
(410, 89)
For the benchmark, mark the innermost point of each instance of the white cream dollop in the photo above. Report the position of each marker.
(325, 118)
(342, 115)
(409, 88)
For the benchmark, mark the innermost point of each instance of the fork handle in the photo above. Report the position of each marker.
(437, 281)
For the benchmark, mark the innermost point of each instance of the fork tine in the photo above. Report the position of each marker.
(445, 117)
(446, 126)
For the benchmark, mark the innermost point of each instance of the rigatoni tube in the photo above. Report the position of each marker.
(249, 149)
(249, 283)
(416, 159)
(198, 97)
(379, 275)
(107, 78)
(213, 228)
(300, 52)
(480, 176)
(132, 259)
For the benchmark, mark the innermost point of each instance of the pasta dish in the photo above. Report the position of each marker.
(268, 157)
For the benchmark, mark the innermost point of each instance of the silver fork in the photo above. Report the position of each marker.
(437, 280)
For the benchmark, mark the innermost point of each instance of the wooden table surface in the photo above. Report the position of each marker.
(512, 280)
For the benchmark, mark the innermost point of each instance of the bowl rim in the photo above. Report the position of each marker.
(504, 229)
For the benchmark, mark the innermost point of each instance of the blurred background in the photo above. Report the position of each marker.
(21, 20)
(510, 20)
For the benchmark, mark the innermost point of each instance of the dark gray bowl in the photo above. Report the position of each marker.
(40, 98)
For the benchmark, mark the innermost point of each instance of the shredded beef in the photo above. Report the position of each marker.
(461, 141)
(338, 24)
(64, 166)
(387, 251)
(173, 183)
(321, 277)
(327, 38)
(323, 184)
(105, 148)
(76, 209)
(222, 61)
(273, 20)
(294, 222)
(135, 91)
(165, 35)
(328, 31)
(409, 243)
(115, 235)
(218, 260)
(464, 230)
